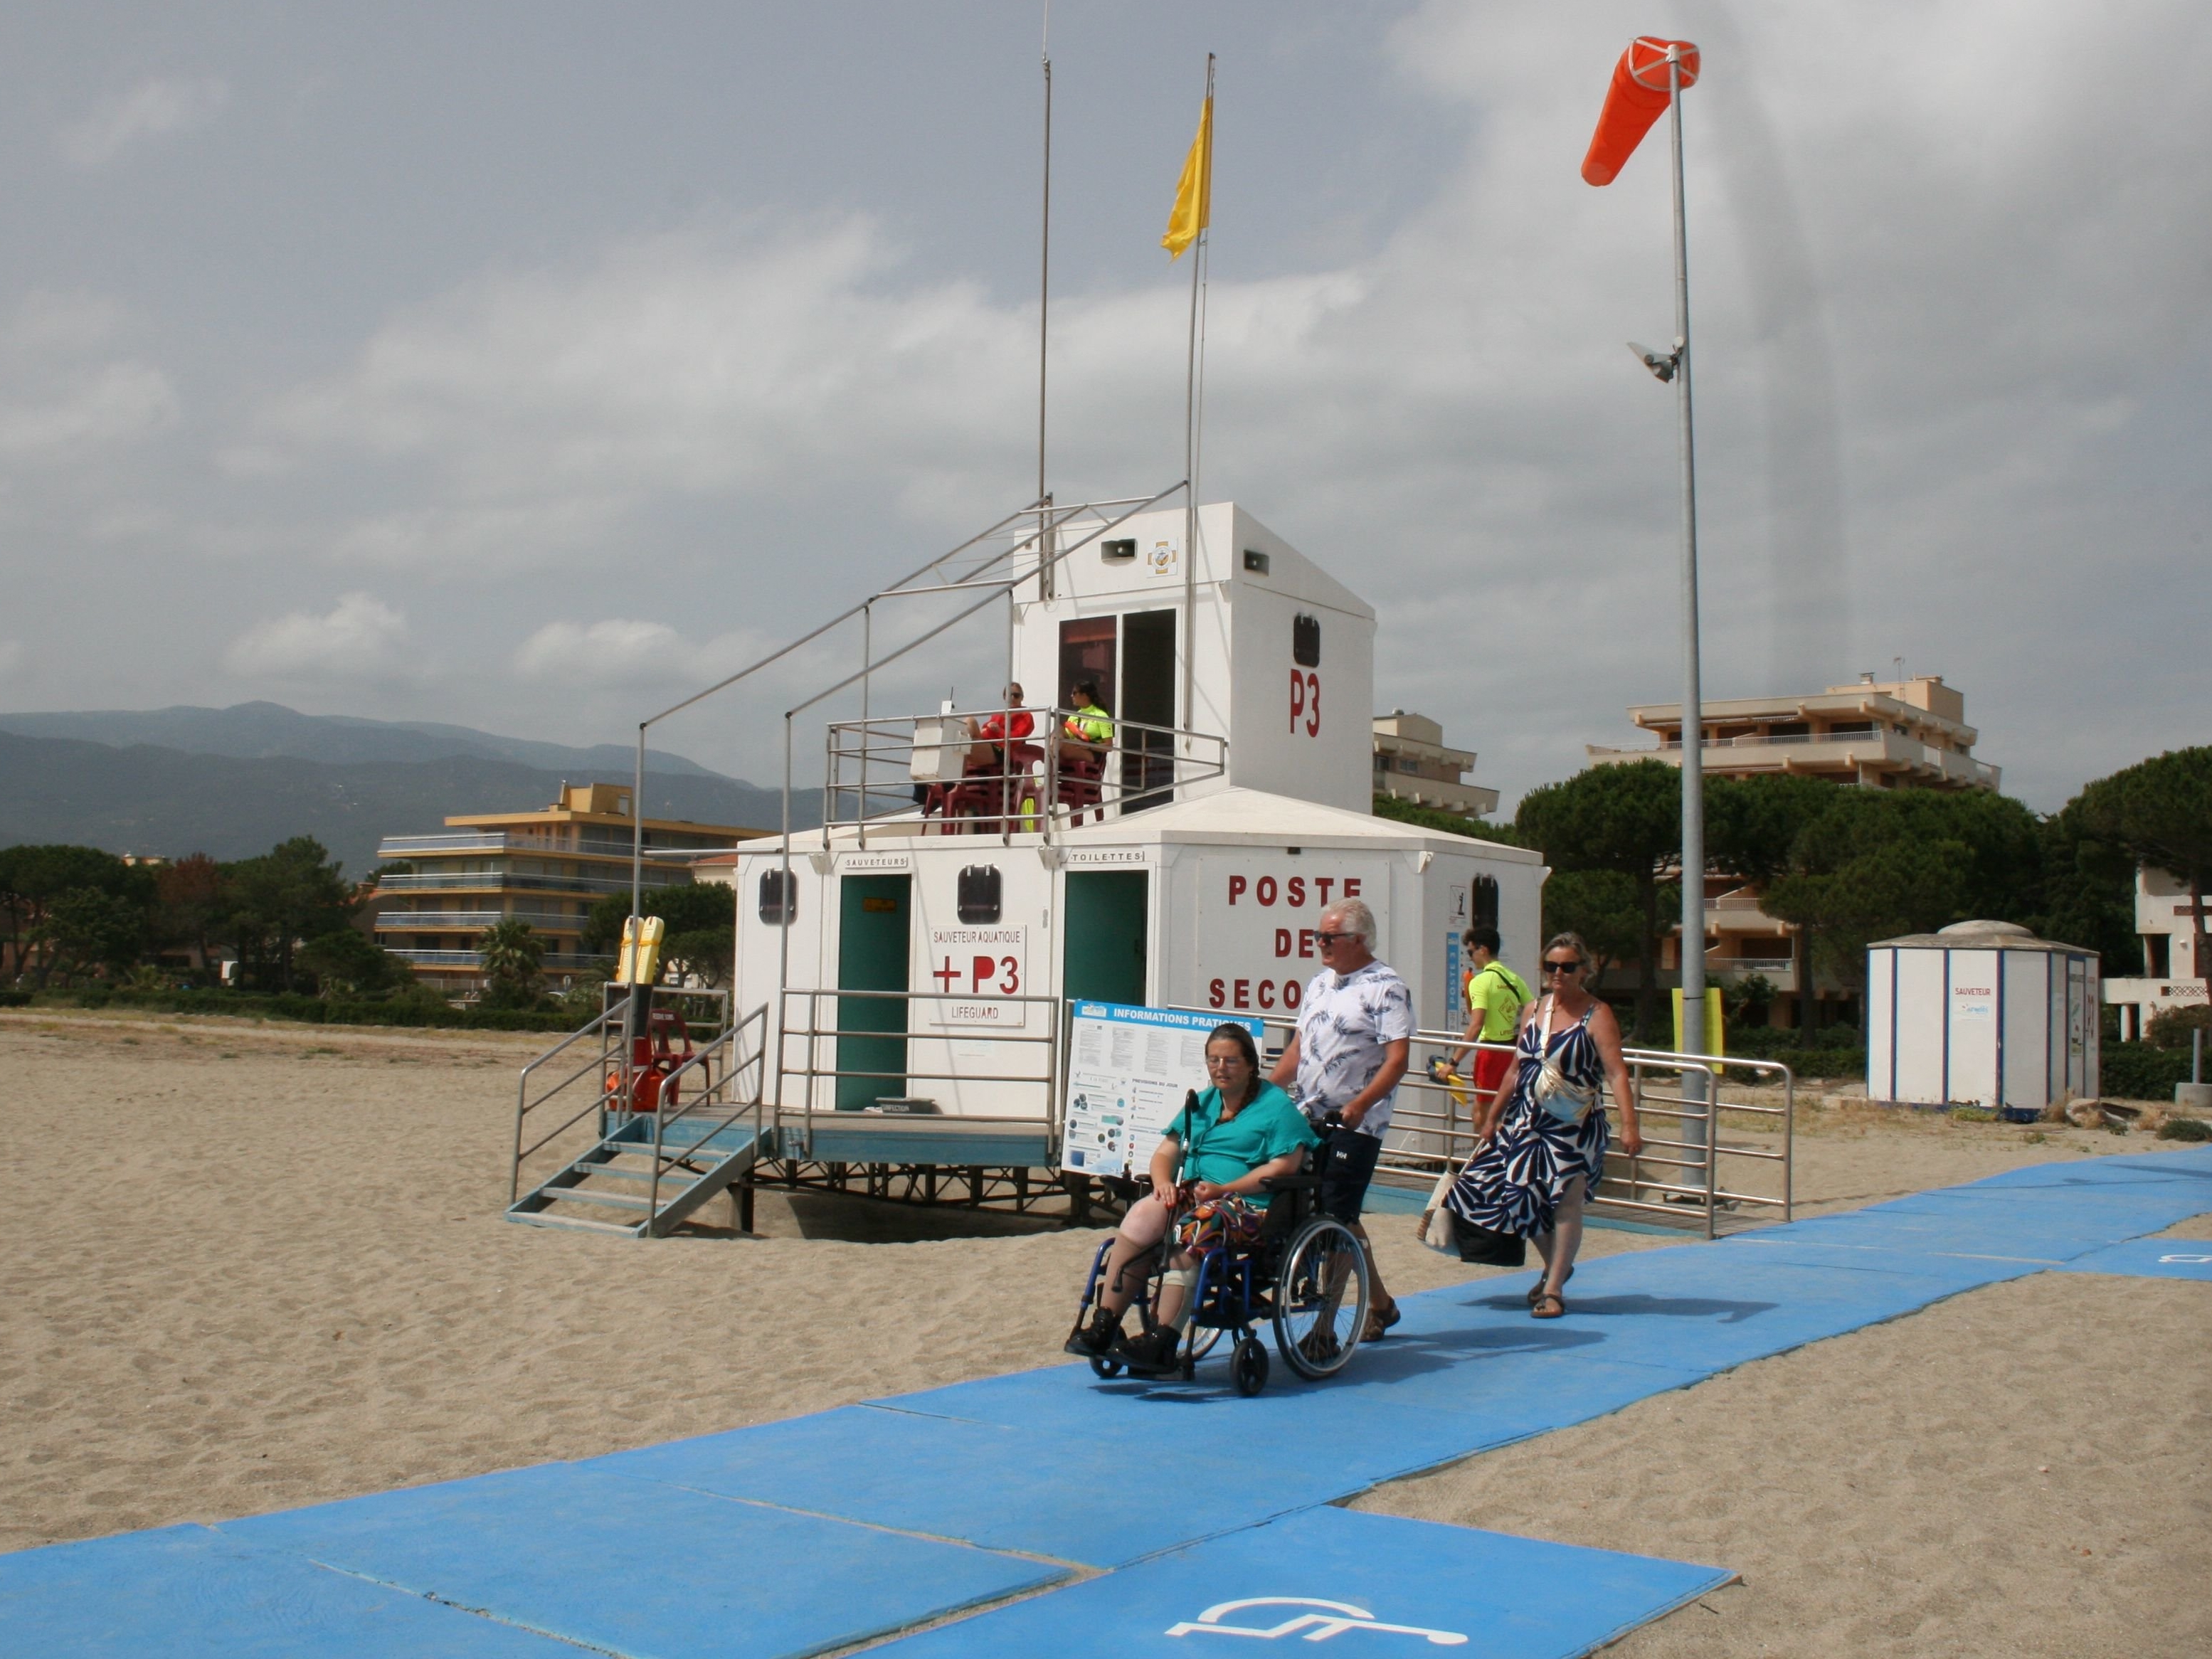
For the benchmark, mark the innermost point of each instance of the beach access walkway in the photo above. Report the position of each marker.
(1049, 1511)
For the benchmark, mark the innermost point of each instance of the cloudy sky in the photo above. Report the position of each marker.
(525, 365)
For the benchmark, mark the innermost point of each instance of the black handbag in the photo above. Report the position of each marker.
(1484, 1247)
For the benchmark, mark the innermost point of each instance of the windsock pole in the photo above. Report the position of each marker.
(1695, 1127)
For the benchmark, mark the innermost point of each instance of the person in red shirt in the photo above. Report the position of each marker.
(992, 735)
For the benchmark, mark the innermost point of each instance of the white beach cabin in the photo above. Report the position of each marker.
(1982, 1013)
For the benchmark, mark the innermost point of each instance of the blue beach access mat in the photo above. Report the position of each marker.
(2151, 1258)
(991, 1500)
(1376, 1583)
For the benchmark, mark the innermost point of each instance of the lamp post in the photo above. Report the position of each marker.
(1695, 1125)
(1648, 65)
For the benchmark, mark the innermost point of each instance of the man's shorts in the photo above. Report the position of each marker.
(1344, 1161)
(1491, 1066)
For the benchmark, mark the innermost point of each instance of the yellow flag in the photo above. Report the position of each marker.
(1194, 202)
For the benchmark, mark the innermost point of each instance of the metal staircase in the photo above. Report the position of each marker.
(642, 1174)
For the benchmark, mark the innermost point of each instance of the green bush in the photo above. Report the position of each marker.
(2184, 1128)
(2173, 1028)
(15, 998)
(2138, 1071)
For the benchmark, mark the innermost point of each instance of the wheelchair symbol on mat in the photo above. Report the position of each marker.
(1339, 1617)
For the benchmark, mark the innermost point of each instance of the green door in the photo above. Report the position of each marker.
(1103, 958)
(874, 932)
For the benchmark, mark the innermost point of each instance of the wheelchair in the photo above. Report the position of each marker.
(1306, 1276)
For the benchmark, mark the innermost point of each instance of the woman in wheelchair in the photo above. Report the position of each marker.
(1210, 1172)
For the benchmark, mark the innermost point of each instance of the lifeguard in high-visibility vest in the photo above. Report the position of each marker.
(1495, 996)
(1086, 737)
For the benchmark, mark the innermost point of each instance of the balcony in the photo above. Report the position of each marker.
(603, 846)
(1884, 749)
(553, 961)
(470, 921)
(495, 881)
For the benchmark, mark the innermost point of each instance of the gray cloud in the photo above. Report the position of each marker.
(155, 108)
(1951, 345)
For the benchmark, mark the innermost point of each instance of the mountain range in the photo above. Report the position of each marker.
(233, 783)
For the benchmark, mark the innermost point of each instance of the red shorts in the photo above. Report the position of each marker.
(1491, 1067)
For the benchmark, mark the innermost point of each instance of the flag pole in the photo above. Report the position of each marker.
(1697, 1127)
(1044, 317)
(1190, 437)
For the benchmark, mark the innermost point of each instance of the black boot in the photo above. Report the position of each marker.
(1152, 1353)
(1097, 1337)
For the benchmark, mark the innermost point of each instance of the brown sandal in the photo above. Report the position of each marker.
(1549, 1305)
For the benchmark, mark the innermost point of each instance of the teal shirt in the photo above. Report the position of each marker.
(1222, 1152)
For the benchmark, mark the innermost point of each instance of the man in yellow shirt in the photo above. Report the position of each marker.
(1495, 997)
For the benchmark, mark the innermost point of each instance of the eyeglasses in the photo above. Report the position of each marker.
(1215, 1062)
(1574, 967)
(1331, 939)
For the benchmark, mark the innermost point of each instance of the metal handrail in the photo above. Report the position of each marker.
(606, 1024)
(524, 1105)
(808, 1036)
(1459, 1141)
(888, 743)
(661, 1120)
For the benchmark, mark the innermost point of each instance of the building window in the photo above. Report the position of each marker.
(778, 897)
(1485, 902)
(978, 897)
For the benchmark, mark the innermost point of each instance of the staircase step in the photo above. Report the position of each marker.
(672, 1179)
(540, 1219)
(719, 1146)
(582, 1196)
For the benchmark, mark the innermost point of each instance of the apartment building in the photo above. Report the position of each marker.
(1413, 764)
(547, 868)
(1908, 733)
(1879, 734)
(2172, 976)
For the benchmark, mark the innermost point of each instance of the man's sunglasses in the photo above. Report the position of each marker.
(1331, 939)
(1574, 967)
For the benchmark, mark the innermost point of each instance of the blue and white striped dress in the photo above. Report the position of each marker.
(1516, 1183)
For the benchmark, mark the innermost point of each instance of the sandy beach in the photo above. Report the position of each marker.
(258, 1266)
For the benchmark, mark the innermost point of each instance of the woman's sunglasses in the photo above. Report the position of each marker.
(1574, 967)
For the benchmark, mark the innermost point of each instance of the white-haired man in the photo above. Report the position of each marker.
(1355, 1031)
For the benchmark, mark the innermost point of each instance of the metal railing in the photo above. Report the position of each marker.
(462, 921)
(492, 881)
(597, 1058)
(875, 766)
(728, 1091)
(606, 1062)
(566, 961)
(1433, 1125)
(500, 841)
(799, 1056)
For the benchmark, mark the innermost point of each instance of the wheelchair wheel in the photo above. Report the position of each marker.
(1248, 1366)
(1105, 1365)
(1321, 1298)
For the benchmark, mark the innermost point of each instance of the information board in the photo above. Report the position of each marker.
(1128, 1070)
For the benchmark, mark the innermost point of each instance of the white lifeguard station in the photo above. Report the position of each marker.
(909, 970)
(900, 1011)
(920, 958)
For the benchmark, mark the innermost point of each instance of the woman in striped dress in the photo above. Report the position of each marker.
(1535, 1164)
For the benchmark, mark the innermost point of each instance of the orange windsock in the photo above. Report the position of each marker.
(1632, 103)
